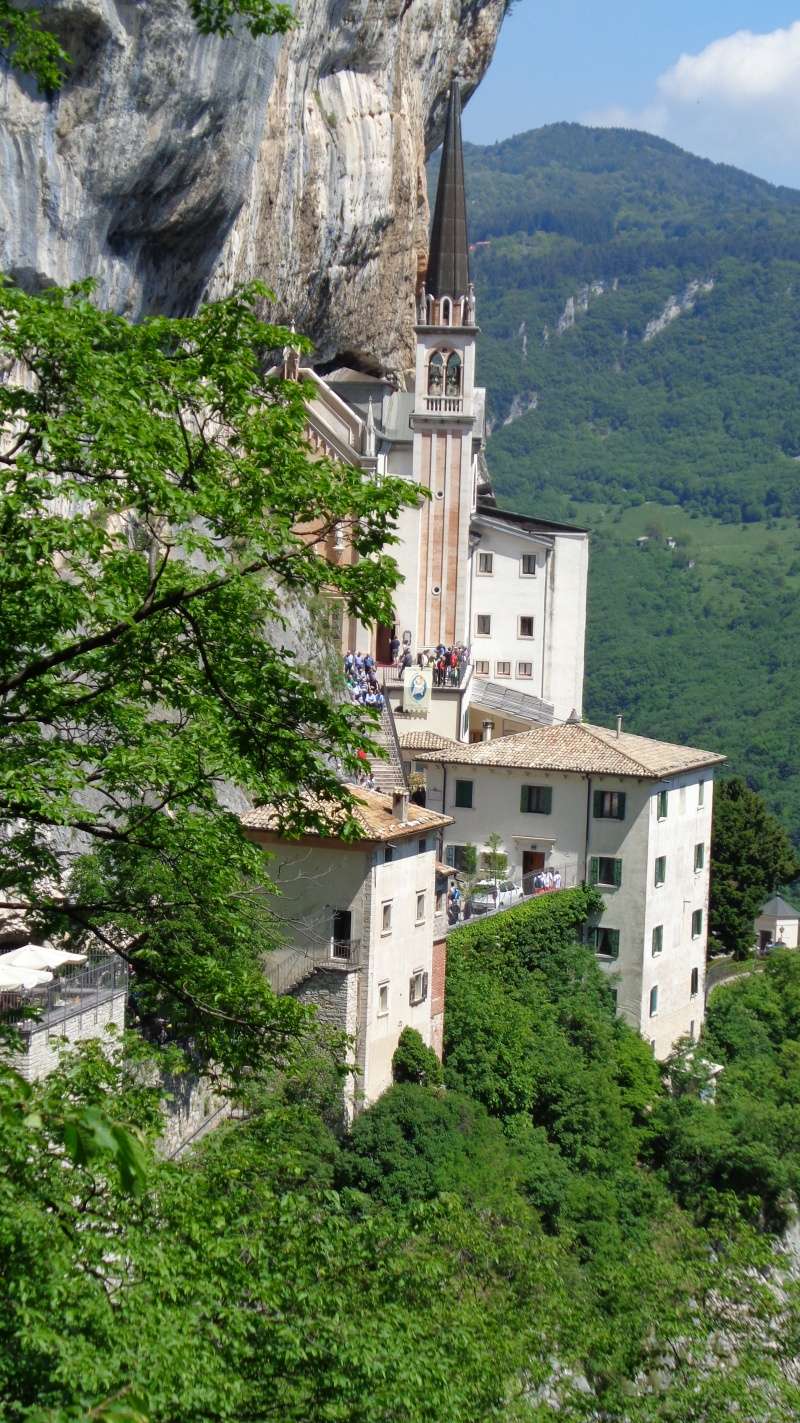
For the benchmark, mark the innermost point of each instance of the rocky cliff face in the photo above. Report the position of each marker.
(171, 166)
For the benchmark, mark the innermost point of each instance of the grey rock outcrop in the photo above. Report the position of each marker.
(171, 166)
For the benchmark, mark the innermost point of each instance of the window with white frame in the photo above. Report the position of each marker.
(701, 793)
(528, 565)
(420, 906)
(383, 999)
(697, 923)
(694, 983)
(657, 941)
(605, 871)
(654, 1000)
(483, 625)
(662, 804)
(485, 564)
(699, 856)
(526, 625)
(525, 669)
(481, 668)
(386, 917)
(417, 987)
(661, 870)
(604, 941)
(502, 669)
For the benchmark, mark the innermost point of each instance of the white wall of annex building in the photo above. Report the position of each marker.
(505, 595)
(568, 572)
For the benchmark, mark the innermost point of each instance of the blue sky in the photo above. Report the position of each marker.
(719, 77)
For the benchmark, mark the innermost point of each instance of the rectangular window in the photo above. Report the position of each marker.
(605, 941)
(388, 854)
(661, 805)
(654, 1000)
(422, 845)
(536, 800)
(695, 984)
(502, 669)
(701, 793)
(421, 907)
(524, 669)
(383, 999)
(526, 627)
(456, 857)
(657, 940)
(697, 923)
(529, 565)
(386, 917)
(661, 870)
(699, 855)
(417, 988)
(481, 668)
(609, 805)
(605, 871)
(483, 625)
(486, 563)
(614, 995)
(464, 794)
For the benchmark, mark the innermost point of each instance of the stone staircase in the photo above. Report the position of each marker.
(388, 770)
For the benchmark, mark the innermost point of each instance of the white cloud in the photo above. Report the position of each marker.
(737, 101)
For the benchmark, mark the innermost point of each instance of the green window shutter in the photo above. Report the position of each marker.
(594, 870)
(613, 942)
(621, 806)
(617, 873)
(598, 805)
(546, 797)
(523, 799)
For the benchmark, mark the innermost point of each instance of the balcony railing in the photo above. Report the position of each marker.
(453, 676)
(69, 994)
(444, 404)
(469, 909)
(286, 968)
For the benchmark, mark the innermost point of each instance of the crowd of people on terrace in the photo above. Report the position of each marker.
(448, 663)
(361, 679)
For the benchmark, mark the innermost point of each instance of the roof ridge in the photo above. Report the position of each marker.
(590, 730)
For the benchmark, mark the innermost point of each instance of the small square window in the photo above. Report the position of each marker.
(485, 563)
(694, 985)
(701, 793)
(458, 857)
(609, 805)
(417, 988)
(383, 999)
(536, 800)
(483, 625)
(526, 626)
(654, 1000)
(524, 669)
(657, 940)
(502, 669)
(386, 917)
(529, 565)
(388, 854)
(697, 923)
(661, 870)
(606, 871)
(481, 668)
(605, 941)
(699, 855)
(464, 794)
(662, 804)
(421, 907)
(422, 845)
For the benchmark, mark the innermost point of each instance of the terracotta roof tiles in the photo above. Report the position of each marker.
(578, 746)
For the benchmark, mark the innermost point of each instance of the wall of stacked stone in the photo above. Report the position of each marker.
(43, 1043)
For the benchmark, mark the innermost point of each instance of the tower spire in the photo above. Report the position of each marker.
(448, 256)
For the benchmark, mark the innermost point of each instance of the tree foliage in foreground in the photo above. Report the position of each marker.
(751, 857)
(161, 519)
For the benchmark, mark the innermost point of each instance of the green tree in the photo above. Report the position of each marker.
(495, 860)
(751, 856)
(413, 1061)
(161, 522)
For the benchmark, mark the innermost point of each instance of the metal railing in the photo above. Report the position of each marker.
(453, 676)
(69, 994)
(286, 968)
(470, 909)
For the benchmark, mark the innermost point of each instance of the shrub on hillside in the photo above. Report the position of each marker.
(414, 1062)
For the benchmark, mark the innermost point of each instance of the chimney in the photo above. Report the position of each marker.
(400, 806)
(619, 724)
(487, 730)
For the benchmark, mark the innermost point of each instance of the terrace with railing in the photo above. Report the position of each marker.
(71, 993)
(475, 903)
(286, 968)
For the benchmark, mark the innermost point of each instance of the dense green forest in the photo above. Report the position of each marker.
(688, 429)
(555, 1236)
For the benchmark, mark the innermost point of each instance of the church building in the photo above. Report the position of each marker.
(503, 592)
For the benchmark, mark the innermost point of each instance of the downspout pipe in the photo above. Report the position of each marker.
(588, 823)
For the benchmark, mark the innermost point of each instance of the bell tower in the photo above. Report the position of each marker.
(447, 419)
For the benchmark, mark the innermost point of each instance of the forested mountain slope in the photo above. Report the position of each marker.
(641, 332)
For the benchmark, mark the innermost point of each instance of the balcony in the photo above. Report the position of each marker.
(70, 995)
(444, 404)
(454, 677)
(473, 906)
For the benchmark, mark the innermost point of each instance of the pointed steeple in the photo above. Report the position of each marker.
(448, 256)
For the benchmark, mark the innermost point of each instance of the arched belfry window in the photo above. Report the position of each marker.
(436, 374)
(447, 311)
(452, 380)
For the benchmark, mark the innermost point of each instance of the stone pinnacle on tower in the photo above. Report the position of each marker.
(448, 255)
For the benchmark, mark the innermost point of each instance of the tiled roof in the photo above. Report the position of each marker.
(422, 740)
(372, 813)
(779, 908)
(577, 746)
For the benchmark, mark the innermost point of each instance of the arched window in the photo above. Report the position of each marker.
(446, 311)
(436, 374)
(452, 380)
